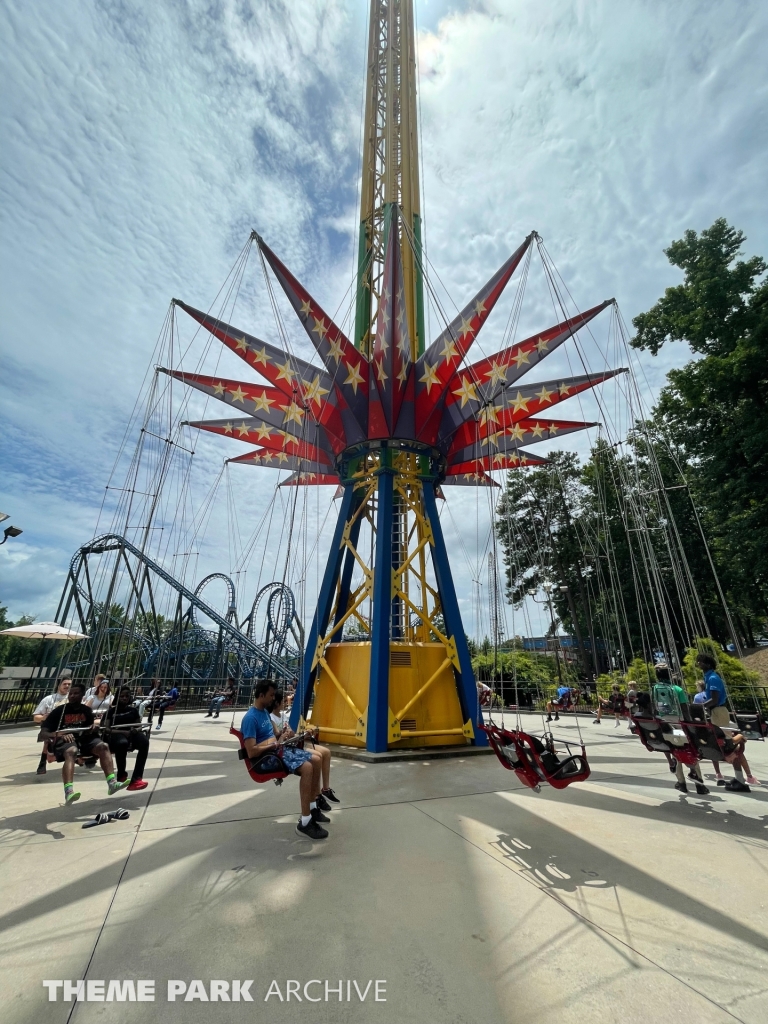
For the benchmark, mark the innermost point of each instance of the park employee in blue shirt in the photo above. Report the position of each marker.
(259, 738)
(715, 691)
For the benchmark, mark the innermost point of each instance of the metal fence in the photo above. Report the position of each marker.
(17, 705)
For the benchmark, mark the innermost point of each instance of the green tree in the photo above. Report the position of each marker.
(714, 410)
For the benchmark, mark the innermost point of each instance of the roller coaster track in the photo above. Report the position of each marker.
(231, 636)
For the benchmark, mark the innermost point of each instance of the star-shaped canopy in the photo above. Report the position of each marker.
(477, 415)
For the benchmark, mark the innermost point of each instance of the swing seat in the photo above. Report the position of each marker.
(659, 736)
(270, 767)
(517, 752)
(704, 738)
(752, 727)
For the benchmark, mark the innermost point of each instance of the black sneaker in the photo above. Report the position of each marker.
(673, 769)
(557, 717)
(701, 790)
(549, 718)
(328, 794)
(721, 781)
(317, 815)
(736, 786)
(310, 831)
(681, 786)
(597, 722)
(322, 803)
(42, 770)
(209, 715)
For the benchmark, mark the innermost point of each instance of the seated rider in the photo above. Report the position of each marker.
(279, 717)
(67, 746)
(221, 697)
(733, 747)
(46, 706)
(120, 741)
(614, 704)
(259, 738)
(168, 700)
(560, 703)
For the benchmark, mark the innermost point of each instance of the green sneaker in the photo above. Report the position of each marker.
(69, 798)
(114, 786)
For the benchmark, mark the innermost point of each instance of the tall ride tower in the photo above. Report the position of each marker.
(390, 420)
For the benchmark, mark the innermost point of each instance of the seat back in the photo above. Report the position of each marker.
(269, 767)
(752, 727)
(703, 737)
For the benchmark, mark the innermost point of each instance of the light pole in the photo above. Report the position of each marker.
(10, 531)
(547, 588)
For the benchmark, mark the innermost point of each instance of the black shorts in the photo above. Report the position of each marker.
(83, 743)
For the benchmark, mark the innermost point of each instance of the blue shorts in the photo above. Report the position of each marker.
(294, 758)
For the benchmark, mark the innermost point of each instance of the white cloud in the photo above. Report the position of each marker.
(142, 144)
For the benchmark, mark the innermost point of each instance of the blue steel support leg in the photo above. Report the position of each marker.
(346, 572)
(377, 736)
(323, 610)
(466, 682)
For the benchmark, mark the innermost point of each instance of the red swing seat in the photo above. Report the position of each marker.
(270, 767)
(517, 752)
(655, 735)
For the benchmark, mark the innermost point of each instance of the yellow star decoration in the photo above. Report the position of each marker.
(313, 392)
(238, 395)
(492, 439)
(293, 412)
(260, 356)
(522, 355)
(430, 376)
(466, 392)
(243, 430)
(564, 390)
(489, 414)
(541, 345)
(227, 428)
(498, 459)
(496, 374)
(380, 371)
(479, 307)
(382, 344)
(285, 372)
(241, 344)
(306, 307)
(262, 402)
(544, 395)
(384, 316)
(218, 388)
(282, 457)
(404, 346)
(520, 403)
(354, 377)
(523, 460)
(266, 457)
(320, 328)
(538, 430)
(449, 350)
(516, 432)
(334, 349)
(553, 428)
(465, 327)
(403, 374)
(263, 432)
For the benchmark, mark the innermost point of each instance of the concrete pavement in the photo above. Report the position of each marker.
(472, 898)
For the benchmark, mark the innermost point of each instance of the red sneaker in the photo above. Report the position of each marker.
(138, 784)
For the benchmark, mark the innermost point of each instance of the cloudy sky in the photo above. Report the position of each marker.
(142, 142)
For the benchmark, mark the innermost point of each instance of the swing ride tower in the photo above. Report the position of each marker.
(390, 420)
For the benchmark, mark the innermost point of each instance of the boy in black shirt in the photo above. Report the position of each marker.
(83, 742)
(122, 740)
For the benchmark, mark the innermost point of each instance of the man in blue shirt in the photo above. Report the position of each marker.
(168, 701)
(259, 737)
(715, 691)
(561, 702)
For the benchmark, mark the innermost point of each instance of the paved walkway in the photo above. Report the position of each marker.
(619, 900)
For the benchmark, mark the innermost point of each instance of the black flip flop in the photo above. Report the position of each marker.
(100, 819)
(119, 815)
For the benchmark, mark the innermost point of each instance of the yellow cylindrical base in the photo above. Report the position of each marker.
(433, 720)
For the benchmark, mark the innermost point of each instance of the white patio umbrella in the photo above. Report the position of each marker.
(44, 631)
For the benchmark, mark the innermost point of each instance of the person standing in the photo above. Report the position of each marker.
(717, 698)
(46, 706)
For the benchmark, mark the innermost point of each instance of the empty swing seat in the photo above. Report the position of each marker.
(270, 767)
(518, 752)
(658, 735)
(706, 741)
